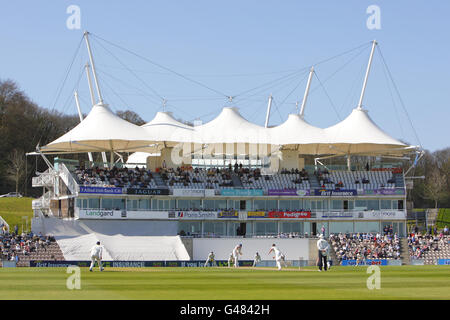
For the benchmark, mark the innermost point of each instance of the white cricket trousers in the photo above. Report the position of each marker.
(99, 261)
(236, 262)
(278, 263)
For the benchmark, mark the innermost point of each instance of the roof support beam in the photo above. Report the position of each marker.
(77, 101)
(305, 96)
(269, 105)
(91, 58)
(374, 43)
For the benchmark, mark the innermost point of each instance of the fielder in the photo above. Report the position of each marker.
(278, 255)
(96, 255)
(211, 259)
(237, 251)
(257, 259)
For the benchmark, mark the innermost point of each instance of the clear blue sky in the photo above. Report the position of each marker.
(232, 46)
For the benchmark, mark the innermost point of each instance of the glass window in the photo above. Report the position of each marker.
(284, 204)
(292, 227)
(214, 228)
(325, 204)
(307, 227)
(94, 203)
(183, 204)
(118, 204)
(307, 204)
(220, 204)
(341, 227)
(266, 228)
(196, 204)
(367, 227)
(249, 204)
(230, 205)
(172, 204)
(271, 205)
(208, 204)
(85, 203)
(189, 228)
(232, 228)
(132, 205)
(154, 204)
(319, 204)
(337, 204)
(394, 204)
(386, 204)
(78, 203)
(107, 203)
(259, 205)
(361, 204)
(373, 205)
(296, 205)
(351, 204)
(144, 204)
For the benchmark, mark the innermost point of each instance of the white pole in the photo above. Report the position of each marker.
(374, 43)
(305, 96)
(77, 101)
(91, 90)
(269, 105)
(91, 58)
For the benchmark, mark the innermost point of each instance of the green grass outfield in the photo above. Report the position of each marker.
(13, 209)
(397, 282)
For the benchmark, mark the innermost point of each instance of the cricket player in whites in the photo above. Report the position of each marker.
(257, 259)
(96, 255)
(322, 247)
(237, 251)
(278, 255)
(230, 260)
(211, 259)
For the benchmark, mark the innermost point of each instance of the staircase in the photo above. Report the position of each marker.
(399, 181)
(404, 251)
(313, 182)
(236, 180)
(159, 180)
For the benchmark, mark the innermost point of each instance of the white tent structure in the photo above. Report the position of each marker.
(166, 131)
(227, 134)
(101, 130)
(358, 134)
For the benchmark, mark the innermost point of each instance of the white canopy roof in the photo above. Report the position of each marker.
(101, 130)
(359, 134)
(230, 127)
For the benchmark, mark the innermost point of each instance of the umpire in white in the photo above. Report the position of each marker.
(322, 247)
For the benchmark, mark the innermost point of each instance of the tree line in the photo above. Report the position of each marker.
(25, 125)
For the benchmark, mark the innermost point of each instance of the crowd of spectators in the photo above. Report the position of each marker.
(186, 175)
(12, 245)
(419, 244)
(359, 246)
(115, 177)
